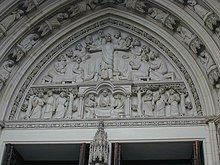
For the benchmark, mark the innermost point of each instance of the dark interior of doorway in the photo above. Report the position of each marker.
(161, 153)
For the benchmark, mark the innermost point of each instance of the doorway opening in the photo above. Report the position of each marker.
(160, 153)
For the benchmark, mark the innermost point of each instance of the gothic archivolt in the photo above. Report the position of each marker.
(171, 23)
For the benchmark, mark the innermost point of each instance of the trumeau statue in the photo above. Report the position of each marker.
(114, 75)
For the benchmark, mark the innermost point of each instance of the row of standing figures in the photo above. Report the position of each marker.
(160, 103)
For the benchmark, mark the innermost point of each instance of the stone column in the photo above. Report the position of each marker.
(1, 127)
(80, 116)
(182, 102)
(128, 106)
(139, 110)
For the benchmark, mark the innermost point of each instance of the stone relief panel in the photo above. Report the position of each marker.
(105, 102)
(42, 103)
(127, 46)
(109, 54)
(161, 101)
(24, 7)
(108, 100)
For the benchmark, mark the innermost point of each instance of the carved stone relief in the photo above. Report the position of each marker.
(5, 71)
(210, 19)
(41, 103)
(106, 100)
(109, 55)
(8, 21)
(88, 56)
(25, 6)
(160, 101)
(47, 26)
(190, 39)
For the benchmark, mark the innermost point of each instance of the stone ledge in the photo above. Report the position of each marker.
(109, 123)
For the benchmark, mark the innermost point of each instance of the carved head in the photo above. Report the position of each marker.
(79, 47)
(88, 40)
(62, 16)
(92, 97)
(40, 94)
(50, 93)
(154, 56)
(149, 92)
(144, 57)
(61, 58)
(105, 92)
(101, 34)
(117, 34)
(192, 2)
(69, 53)
(161, 90)
(108, 37)
(136, 42)
(62, 94)
(145, 49)
(203, 54)
(171, 91)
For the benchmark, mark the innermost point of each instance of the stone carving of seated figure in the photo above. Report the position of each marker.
(106, 105)
(56, 75)
(158, 68)
(105, 100)
(141, 70)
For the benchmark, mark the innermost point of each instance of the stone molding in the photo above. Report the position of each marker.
(119, 123)
(2, 124)
(217, 120)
